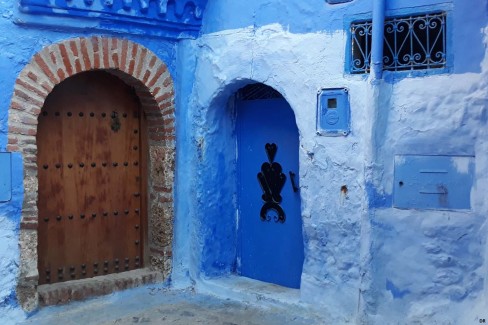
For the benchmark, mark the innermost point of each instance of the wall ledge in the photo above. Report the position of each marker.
(65, 292)
(162, 18)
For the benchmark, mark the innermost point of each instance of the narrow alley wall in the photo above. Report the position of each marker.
(366, 260)
(19, 44)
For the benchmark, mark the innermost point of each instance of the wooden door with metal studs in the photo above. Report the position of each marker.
(89, 169)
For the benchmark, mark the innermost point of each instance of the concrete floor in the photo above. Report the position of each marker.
(160, 305)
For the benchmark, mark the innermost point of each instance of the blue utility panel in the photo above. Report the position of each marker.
(333, 113)
(5, 177)
(433, 182)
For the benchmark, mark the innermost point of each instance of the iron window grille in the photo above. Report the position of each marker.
(257, 91)
(410, 43)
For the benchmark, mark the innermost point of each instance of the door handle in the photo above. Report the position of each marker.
(293, 184)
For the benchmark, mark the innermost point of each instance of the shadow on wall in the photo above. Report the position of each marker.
(216, 220)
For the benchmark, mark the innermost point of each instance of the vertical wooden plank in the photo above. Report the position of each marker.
(142, 218)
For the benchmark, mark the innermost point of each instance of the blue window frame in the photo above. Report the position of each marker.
(414, 42)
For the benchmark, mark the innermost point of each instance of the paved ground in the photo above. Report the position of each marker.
(153, 305)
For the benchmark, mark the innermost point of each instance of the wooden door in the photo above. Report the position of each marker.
(89, 167)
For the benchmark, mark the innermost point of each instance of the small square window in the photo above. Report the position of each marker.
(410, 43)
(332, 103)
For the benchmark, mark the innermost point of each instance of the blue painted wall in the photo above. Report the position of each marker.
(19, 43)
(319, 17)
(364, 259)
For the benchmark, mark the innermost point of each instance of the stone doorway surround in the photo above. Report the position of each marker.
(138, 67)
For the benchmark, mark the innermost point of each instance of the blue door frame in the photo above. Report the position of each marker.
(270, 226)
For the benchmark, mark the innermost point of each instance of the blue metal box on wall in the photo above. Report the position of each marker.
(5, 177)
(433, 182)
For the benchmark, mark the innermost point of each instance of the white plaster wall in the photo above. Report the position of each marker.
(298, 66)
(438, 258)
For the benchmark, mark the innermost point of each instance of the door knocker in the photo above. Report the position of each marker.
(115, 125)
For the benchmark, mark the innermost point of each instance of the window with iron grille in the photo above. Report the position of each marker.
(410, 43)
(257, 91)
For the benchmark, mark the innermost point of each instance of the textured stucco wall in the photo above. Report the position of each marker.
(364, 260)
(431, 263)
(9, 241)
(294, 64)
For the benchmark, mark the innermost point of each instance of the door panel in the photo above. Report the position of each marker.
(271, 249)
(89, 179)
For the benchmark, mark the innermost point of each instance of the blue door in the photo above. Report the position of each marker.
(270, 225)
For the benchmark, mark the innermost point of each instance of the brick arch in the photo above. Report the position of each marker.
(149, 76)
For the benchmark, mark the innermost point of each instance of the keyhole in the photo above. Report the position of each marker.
(115, 125)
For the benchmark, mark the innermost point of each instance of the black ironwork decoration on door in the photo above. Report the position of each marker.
(272, 179)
